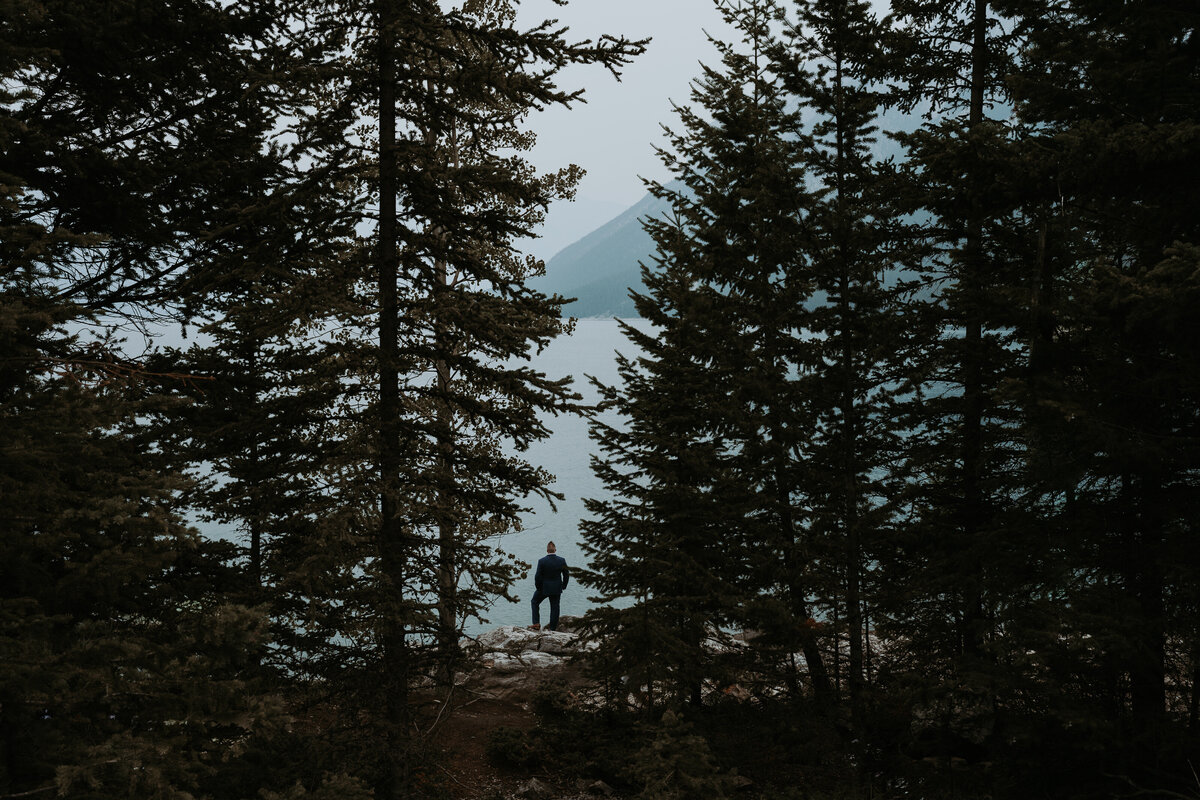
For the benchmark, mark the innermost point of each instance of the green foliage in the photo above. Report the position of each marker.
(124, 669)
(511, 747)
(966, 537)
(988, 438)
(207, 163)
(704, 464)
(123, 148)
(1115, 387)
(678, 765)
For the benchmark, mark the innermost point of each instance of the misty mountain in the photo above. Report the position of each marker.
(599, 268)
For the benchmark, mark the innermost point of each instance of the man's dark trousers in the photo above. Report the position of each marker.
(538, 597)
(549, 580)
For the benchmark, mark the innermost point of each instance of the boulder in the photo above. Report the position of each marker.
(558, 642)
(514, 658)
(519, 662)
(514, 639)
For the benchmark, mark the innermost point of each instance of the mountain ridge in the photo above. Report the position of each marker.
(600, 268)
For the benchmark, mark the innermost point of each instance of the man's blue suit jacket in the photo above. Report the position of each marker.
(551, 576)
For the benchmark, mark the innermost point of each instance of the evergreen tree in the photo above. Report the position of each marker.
(847, 386)
(123, 661)
(255, 432)
(705, 530)
(678, 765)
(961, 560)
(425, 321)
(1110, 96)
(663, 552)
(1086, 462)
(124, 130)
(469, 311)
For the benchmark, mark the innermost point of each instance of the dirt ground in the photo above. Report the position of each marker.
(460, 738)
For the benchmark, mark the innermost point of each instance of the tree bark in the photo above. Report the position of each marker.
(391, 545)
(1147, 669)
(817, 673)
(972, 513)
(447, 575)
(849, 444)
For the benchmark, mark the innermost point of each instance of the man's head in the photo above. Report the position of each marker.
(550, 547)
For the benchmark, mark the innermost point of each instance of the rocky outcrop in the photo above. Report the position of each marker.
(514, 639)
(512, 656)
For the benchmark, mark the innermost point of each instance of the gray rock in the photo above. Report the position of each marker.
(558, 642)
(600, 788)
(512, 658)
(518, 662)
(515, 639)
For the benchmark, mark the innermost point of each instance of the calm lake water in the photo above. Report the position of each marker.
(590, 350)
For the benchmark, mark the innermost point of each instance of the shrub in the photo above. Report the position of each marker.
(678, 765)
(510, 747)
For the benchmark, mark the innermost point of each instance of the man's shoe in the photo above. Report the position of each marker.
(535, 627)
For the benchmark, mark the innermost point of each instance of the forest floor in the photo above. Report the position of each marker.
(486, 701)
(460, 743)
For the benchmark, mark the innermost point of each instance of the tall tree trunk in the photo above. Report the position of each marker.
(972, 513)
(445, 488)
(255, 519)
(1042, 320)
(797, 591)
(391, 545)
(849, 444)
(447, 575)
(1148, 690)
(1194, 698)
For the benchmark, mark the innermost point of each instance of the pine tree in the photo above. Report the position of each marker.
(1109, 94)
(705, 530)
(663, 553)
(254, 434)
(848, 385)
(961, 562)
(469, 310)
(123, 661)
(679, 765)
(425, 320)
(123, 127)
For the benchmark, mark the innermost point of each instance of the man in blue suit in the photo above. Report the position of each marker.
(549, 581)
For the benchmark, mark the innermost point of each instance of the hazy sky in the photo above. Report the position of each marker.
(611, 136)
